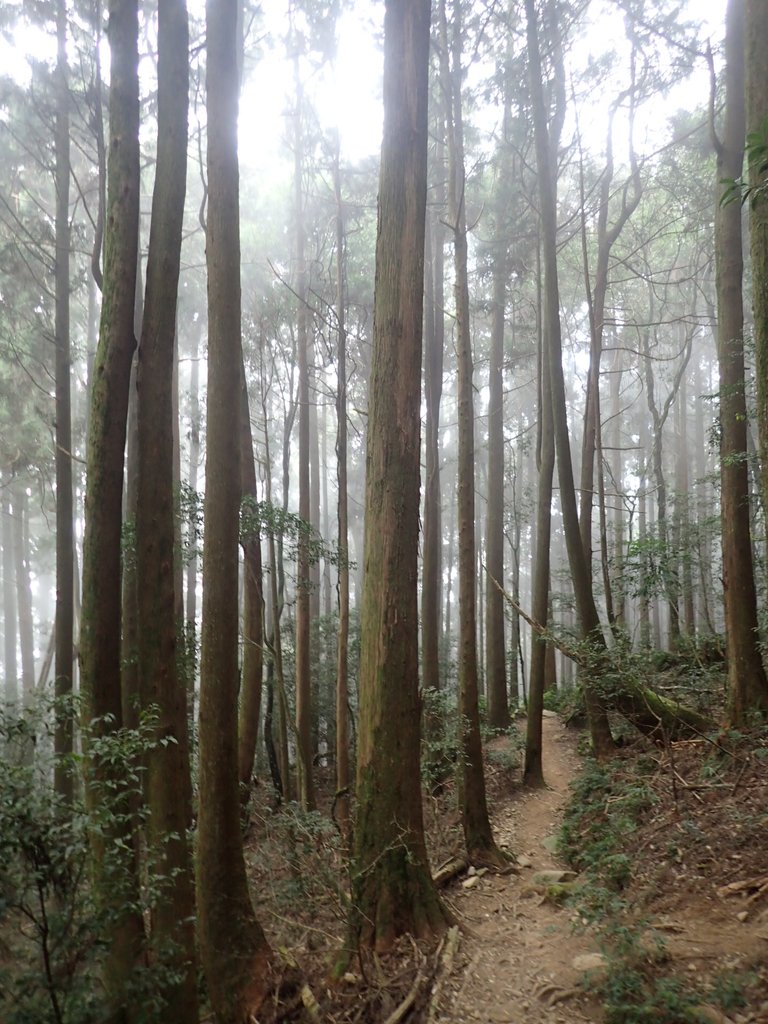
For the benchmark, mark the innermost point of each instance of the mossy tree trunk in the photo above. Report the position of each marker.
(747, 685)
(393, 890)
(100, 672)
(234, 952)
(161, 686)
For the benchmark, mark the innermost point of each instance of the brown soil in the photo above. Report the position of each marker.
(517, 950)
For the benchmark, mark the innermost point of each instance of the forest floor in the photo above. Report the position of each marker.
(681, 937)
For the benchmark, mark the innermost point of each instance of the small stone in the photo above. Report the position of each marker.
(471, 882)
(471, 870)
(550, 843)
(481, 872)
(742, 916)
(707, 1015)
(553, 877)
(593, 964)
(523, 861)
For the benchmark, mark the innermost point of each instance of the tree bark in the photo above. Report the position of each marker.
(65, 538)
(591, 630)
(233, 949)
(342, 646)
(393, 892)
(161, 685)
(747, 683)
(756, 68)
(478, 836)
(253, 607)
(100, 669)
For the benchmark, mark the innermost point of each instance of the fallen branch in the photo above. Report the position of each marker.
(449, 870)
(446, 955)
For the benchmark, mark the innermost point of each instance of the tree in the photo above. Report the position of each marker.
(233, 949)
(756, 69)
(476, 823)
(65, 540)
(747, 684)
(161, 685)
(393, 889)
(585, 602)
(101, 613)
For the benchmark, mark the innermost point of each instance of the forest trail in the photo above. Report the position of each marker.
(517, 949)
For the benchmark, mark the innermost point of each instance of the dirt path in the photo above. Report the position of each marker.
(516, 955)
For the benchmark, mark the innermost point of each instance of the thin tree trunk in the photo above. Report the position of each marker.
(10, 634)
(23, 591)
(65, 539)
(342, 645)
(253, 607)
(303, 575)
(585, 603)
(478, 836)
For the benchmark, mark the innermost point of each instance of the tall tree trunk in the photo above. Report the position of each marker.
(303, 580)
(23, 590)
(342, 646)
(10, 634)
(161, 685)
(65, 538)
(472, 798)
(233, 949)
(393, 888)
(495, 650)
(747, 684)
(756, 66)
(431, 570)
(190, 603)
(100, 670)
(253, 607)
(591, 630)
(533, 773)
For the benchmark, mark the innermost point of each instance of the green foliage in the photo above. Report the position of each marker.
(739, 190)
(53, 931)
(275, 519)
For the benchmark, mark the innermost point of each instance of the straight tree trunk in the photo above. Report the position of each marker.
(747, 684)
(253, 608)
(10, 634)
(478, 836)
(303, 580)
(234, 952)
(23, 591)
(533, 772)
(431, 552)
(342, 646)
(65, 537)
(100, 670)
(591, 630)
(495, 650)
(393, 892)
(161, 685)
(756, 67)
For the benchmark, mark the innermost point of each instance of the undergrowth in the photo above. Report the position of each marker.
(608, 803)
